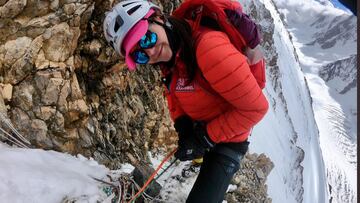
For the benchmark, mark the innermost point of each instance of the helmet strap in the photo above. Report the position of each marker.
(166, 24)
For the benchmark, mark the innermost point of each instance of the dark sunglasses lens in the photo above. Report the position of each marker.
(140, 57)
(148, 40)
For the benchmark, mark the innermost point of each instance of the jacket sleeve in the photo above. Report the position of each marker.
(227, 71)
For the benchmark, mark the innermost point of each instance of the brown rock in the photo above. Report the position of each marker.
(65, 91)
(70, 62)
(41, 61)
(59, 121)
(75, 22)
(7, 90)
(75, 88)
(60, 42)
(15, 49)
(36, 26)
(23, 96)
(69, 146)
(19, 70)
(80, 8)
(45, 112)
(12, 8)
(77, 109)
(20, 119)
(85, 138)
(2, 2)
(54, 5)
(19, 58)
(72, 133)
(51, 94)
(38, 133)
(41, 79)
(69, 9)
(3, 109)
(80, 106)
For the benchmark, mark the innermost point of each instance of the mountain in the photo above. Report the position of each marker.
(324, 40)
(341, 74)
(288, 134)
(83, 101)
(339, 30)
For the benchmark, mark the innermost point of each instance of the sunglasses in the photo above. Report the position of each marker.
(146, 42)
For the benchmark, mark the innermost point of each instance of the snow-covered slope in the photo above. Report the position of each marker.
(341, 78)
(35, 175)
(288, 134)
(325, 41)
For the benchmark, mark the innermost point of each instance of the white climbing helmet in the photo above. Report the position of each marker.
(122, 18)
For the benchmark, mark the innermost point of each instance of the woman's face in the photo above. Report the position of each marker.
(161, 52)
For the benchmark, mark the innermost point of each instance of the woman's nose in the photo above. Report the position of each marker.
(150, 51)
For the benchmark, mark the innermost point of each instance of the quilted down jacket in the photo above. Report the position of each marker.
(239, 103)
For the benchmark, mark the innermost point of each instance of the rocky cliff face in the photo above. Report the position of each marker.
(343, 72)
(64, 89)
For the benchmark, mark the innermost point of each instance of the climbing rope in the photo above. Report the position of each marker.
(14, 136)
(151, 178)
(125, 190)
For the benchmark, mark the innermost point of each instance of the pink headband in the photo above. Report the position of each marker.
(133, 37)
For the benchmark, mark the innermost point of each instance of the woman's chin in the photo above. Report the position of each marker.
(166, 54)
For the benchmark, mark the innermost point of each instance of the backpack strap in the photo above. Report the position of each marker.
(197, 15)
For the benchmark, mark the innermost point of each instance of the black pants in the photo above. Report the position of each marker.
(217, 170)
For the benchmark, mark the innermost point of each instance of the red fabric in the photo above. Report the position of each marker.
(258, 70)
(238, 26)
(242, 33)
(173, 104)
(239, 103)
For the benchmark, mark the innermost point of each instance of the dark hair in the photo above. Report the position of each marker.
(182, 31)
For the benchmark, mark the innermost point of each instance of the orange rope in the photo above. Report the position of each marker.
(153, 175)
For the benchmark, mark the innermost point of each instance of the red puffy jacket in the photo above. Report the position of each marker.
(239, 103)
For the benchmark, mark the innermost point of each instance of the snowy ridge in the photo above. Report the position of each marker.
(329, 57)
(288, 134)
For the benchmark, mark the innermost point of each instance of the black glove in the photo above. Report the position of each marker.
(184, 126)
(189, 149)
(186, 148)
(195, 145)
